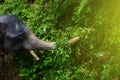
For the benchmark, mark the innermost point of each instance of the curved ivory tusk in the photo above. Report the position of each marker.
(74, 40)
(34, 55)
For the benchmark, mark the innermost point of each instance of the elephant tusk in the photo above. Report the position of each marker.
(74, 40)
(41, 51)
(34, 55)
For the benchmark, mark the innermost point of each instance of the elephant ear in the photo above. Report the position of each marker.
(3, 28)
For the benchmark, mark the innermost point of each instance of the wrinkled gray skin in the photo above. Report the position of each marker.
(14, 35)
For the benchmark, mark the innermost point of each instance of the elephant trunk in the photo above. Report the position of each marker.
(33, 43)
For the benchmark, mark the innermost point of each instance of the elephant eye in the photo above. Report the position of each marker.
(20, 33)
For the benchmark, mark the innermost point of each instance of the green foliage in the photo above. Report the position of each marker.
(59, 20)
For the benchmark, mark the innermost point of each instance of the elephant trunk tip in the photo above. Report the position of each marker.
(51, 45)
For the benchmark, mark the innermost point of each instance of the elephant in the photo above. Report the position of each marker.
(15, 36)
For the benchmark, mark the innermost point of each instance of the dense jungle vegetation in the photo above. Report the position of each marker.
(95, 57)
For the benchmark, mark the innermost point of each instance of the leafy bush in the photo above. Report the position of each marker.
(60, 20)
